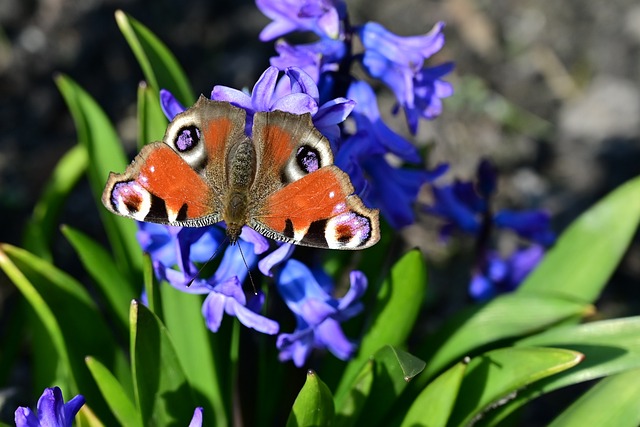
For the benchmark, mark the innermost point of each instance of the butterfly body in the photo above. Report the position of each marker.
(281, 181)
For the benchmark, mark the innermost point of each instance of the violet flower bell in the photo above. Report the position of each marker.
(398, 62)
(318, 315)
(498, 275)
(51, 410)
(323, 17)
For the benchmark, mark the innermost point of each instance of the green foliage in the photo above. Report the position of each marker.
(480, 366)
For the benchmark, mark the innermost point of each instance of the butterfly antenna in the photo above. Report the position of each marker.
(253, 285)
(195, 276)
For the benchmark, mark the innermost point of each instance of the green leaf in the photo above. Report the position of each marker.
(97, 136)
(116, 288)
(42, 225)
(493, 378)
(151, 120)
(82, 328)
(159, 65)
(45, 315)
(314, 404)
(507, 316)
(353, 403)
(180, 309)
(613, 401)
(397, 306)
(609, 346)
(581, 262)
(434, 404)
(162, 393)
(393, 369)
(117, 398)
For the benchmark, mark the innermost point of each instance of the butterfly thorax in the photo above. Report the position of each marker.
(241, 165)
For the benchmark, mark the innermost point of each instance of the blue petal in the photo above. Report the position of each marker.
(532, 225)
(330, 335)
(275, 258)
(262, 94)
(234, 96)
(259, 242)
(196, 420)
(212, 310)
(24, 417)
(72, 407)
(252, 320)
(523, 262)
(301, 82)
(481, 288)
(358, 287)
(296, 103)
(171, 107)
(51, 408)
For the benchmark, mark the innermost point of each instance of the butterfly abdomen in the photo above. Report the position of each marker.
(241, 169)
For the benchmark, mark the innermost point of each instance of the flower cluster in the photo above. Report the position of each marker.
(51, 410)
(466, 207)
(398, 62)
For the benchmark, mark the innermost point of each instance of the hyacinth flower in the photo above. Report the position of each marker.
(183, 247)
(51, 410)
(466, 207)
(398, 62)
(322, 17)
(498, 275)
(196, 420)
(318, 315)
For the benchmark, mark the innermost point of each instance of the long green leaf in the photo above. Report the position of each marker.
(159, 65)
(69, 302)
(180, 309)
(508, 316)
(393, 369)
(99, 138)
(151, 120)
(493, 378)
(314, 404)
(347, 415)
(162, 393)
(587, 253)
(114, 394)
(434, 404)
(116, 288)
(611, 402)
(609, 346)
(47, 318)
(397, 306)
(41, 227)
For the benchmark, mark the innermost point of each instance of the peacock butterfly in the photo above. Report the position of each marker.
(281, 181)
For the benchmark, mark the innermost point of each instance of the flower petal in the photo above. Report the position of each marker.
(275, 258)
(213, 309)
(253, 320)
(196, 420)
(171, 107)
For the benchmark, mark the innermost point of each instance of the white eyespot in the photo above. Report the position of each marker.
(347, 230)
(185, 138)
(131, 199)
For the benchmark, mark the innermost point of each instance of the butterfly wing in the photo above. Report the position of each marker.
(181, 180)
(307, 199)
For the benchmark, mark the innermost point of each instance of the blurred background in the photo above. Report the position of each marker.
(548, 90)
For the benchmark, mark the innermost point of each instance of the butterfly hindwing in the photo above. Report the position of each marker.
(310, 201)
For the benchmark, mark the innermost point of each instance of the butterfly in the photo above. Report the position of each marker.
(281, 181)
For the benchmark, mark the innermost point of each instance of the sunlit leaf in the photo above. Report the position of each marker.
(314, 404)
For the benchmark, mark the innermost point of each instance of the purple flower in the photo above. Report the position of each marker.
(467, 206)
(318, 315)
(367, 118)
(498, 275)
(313, 58)
(224, 295)
(320, 16)
(296, 92)
(398, 62)
(429, 89)
(196, 420)
(52, 411)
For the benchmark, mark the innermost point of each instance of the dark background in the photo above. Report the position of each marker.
(547, 89)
